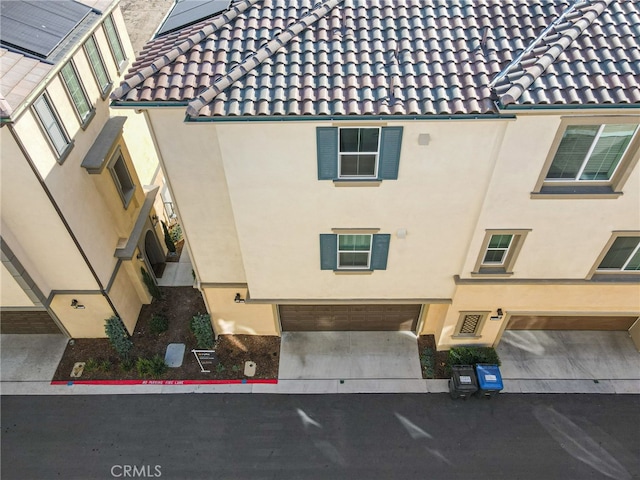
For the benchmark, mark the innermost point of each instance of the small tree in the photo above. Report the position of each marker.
(201, 328)
(154, 291)
(118, 337)
(168, 241)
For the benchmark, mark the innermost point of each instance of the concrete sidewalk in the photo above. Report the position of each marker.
(532, 362)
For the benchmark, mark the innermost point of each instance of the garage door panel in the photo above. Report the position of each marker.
(27, 322)
(551, 322)
(349, 317)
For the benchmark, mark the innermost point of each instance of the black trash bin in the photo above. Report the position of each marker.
(489, 380)
(463, 382)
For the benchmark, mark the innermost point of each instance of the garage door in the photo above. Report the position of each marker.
(29, 321)
(542, 322)
(313, 318)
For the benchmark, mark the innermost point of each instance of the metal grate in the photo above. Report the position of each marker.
(470, 324)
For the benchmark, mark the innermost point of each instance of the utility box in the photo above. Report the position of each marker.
(489, 379)
(463, 382)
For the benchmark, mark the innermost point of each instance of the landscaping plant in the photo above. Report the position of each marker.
(428, 362)
(201, 328)
(473, 356)
(168, 241)
(153, 289)
(118, 337)
(158, 324)
(176, 233)
(153, 367)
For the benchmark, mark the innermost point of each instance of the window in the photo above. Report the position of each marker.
(53, 126)
(470, 324)
(76, 92)
(360, 154)
(354, 251)
(590, 152)
(590, 158)
(122, 179)
(114, 42)
(97, 65)
(622, 256)
(499, 251)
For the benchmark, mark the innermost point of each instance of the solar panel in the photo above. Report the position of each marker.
(37, 27)
(188, 12)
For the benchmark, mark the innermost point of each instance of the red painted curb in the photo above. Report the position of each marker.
(161, 382)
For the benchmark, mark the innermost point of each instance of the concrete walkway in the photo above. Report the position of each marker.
(178, 274)
(532, 362)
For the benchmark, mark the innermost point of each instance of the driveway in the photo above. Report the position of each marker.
(30, 358)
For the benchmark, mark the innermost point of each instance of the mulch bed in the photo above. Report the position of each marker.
(440, 358)
(179, 305)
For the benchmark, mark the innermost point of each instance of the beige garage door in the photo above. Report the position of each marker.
(27, 322)
(546, 322)
(314, 318)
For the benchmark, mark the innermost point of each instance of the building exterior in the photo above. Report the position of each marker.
(80, 203)
(448, 168)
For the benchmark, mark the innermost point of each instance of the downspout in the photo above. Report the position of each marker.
(62, 219)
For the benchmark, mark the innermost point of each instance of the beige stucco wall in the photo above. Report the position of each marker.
(126, 297)
(535, 299)
(228, 317)
(567, 235)
(82, 323)
(634, 332)
(196, 177)
(11, 293)
(434, 316)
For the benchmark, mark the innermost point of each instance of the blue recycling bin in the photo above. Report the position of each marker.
(489, 379)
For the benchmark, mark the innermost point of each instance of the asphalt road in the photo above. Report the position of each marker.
(235, 437)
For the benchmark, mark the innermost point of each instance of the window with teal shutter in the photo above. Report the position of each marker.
(354, 251)
(359, 154)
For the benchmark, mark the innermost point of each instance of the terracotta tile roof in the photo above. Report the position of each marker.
(380, 57)
(19, 76)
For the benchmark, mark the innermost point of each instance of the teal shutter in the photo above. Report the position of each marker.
(380, 251)
(390, 143)
(328, 251)
(327, 144)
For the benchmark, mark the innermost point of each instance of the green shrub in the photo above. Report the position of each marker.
(428, 362)
(104, 366)
(176, 233)
(91, 365)
(153, 289)
(473, 356)
(201, 328)
(158, 324)
(127, 364)
(220, 368)
(151, 367)
(118, 337)
(167, 239)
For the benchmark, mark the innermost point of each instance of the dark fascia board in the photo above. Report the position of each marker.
(96, 158)
(126, 252)
(346, 118)
(582, 106)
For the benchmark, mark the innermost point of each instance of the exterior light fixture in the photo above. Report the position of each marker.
(238, 298)
(498, 316)
(154, 220)
(75, 305)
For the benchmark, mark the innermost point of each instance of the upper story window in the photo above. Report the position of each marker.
(354, 251)
(499, 251)
(97, 65)
(114, 42)
(590, 152)
(122, 178)
(623, 255)
(360, 154)
(77, 93)
(53, 127)
(590, 158)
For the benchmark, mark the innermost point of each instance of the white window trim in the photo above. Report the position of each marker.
(585, 160)
(376, 153)
(504, 249)
(347, 267)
